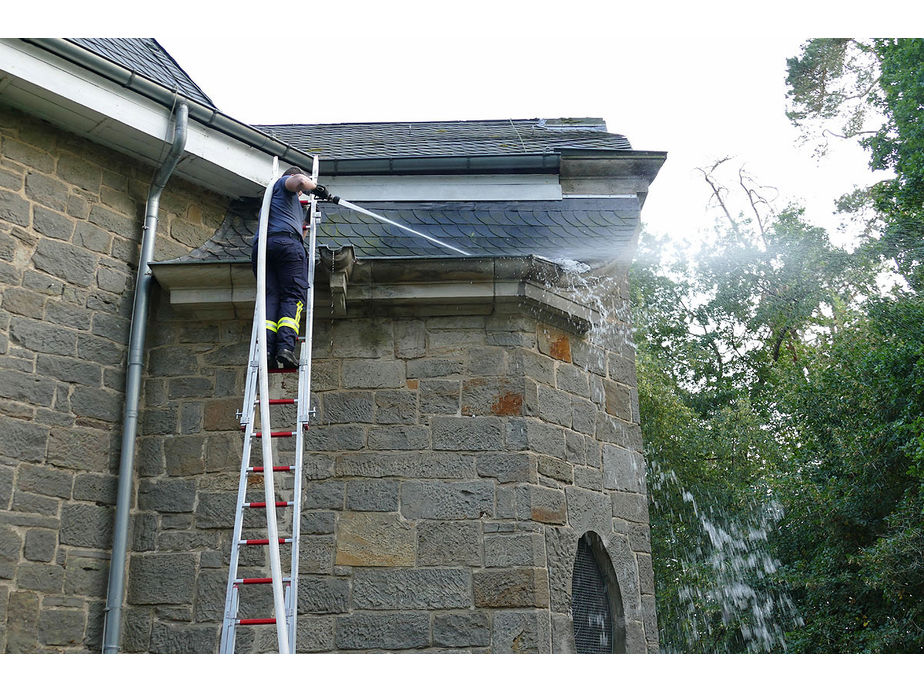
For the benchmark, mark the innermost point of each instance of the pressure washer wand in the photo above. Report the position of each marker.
(324, 194)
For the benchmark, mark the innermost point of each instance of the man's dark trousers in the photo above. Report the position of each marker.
(286, 289)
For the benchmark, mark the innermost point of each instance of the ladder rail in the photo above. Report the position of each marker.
(304, 406)
(256, 398)
(232, 596)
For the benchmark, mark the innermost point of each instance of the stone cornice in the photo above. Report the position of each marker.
(392, 286)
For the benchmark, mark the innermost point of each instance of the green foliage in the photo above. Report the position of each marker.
(853, 541)
(773, 373)
(838, 86)
(899, 147)
(830, 84)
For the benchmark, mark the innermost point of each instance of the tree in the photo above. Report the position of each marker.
(846, 84)
(775, 374)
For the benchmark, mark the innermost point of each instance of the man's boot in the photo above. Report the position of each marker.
(287, 359)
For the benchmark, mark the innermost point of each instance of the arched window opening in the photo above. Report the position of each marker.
(596, 604)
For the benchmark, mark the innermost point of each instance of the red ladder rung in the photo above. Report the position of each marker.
(280, 401)
(255, 621)
(257, 581)
(262, 504)
(262, 542)
(276, 434)
(259, 470)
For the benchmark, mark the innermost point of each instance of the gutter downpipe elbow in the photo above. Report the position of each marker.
(116, 589)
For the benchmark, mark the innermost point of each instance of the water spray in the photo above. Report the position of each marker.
(357, 208)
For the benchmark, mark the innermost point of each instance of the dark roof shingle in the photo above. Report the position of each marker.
(148, 58)
(571, 228)
(447, 138)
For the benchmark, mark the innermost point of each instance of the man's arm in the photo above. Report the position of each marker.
(300, 183)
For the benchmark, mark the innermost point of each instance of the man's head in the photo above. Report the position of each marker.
(292, 170)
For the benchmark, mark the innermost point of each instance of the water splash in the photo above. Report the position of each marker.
(722, 590)
(722, 594)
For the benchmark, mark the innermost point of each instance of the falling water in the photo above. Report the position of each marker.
(725, 594)
(718, 589)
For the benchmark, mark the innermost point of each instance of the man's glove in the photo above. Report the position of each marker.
(323, 193)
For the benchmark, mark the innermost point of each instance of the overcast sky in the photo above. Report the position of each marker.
(700, 81)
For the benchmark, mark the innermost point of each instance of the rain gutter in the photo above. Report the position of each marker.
(199, 112)
(116, 589)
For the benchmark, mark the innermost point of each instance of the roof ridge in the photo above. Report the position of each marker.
(499, 121)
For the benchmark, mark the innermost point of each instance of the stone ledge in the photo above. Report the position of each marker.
(477, 286)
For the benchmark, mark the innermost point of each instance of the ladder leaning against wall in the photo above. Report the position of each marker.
(287, 498)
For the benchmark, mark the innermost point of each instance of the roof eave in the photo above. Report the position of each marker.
(199, 112)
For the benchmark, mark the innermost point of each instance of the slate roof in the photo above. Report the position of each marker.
(350, 141)
(571, 228)
(148, 58)
(447, 138)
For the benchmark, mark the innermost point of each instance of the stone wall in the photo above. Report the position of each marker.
(70, 223)
(453, 466)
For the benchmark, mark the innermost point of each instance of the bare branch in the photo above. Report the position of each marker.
(717, 191)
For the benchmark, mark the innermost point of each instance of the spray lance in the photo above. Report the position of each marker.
(323, 193)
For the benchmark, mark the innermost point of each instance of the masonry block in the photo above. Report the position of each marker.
(52, 224)
(448, 543)
(395, 407)
(185, 639)
(521, 632)
(507, 467)
(348, 407)
(162, 578)
(622, 469)
(167, 495)
(468, 433)
(367, 374)
(314, 634)
(412, 588)
(14, 208)
(454, 500)
(439, 396)
(40, 545)
(62, 627)
(86, 525)
(511, 588)
(86, 576)
(319, 594)
(514, 550)
(70, 263)
(22, 622)
(372, 495)
(554, 343)
(81, 448)
(402, 631)
(375, 539)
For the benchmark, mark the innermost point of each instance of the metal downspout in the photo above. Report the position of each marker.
(116, 590)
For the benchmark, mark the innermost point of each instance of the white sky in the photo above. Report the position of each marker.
(700, 81)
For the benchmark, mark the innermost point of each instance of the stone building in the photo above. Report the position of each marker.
(474, 475)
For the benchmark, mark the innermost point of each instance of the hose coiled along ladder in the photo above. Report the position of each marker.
(257, 405)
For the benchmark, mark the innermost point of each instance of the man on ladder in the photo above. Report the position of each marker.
(286, 264)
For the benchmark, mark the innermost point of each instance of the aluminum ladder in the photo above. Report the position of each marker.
(257, 404)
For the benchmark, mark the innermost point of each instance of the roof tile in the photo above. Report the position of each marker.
(576, 228)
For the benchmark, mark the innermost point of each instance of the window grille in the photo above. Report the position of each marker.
(590, 603)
